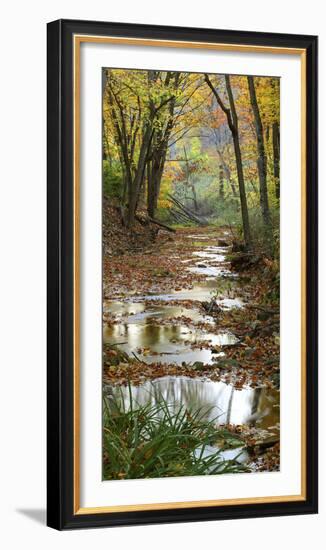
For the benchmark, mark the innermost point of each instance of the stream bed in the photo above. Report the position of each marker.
(158, 327)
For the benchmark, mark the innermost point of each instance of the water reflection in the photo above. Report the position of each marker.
(141, 313)
(210, 255)
(217, 400)
(166, 343)
(208, 270)
(200, 292)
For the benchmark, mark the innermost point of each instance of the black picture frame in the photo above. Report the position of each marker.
(60, 317)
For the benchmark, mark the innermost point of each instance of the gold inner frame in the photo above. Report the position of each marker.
(77, 41)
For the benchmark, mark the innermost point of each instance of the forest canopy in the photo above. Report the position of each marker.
(193, 148)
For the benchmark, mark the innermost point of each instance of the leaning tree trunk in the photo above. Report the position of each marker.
(232, 119)
(242, 192)
(261, 159)
(237, 151)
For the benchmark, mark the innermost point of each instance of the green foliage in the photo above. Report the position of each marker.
(112, 179)
(150, 441)
(265, 238)
(226, 212)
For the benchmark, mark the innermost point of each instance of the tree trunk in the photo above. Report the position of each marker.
(190, 181)
(232, 119)
(156, 166)
(136, 185)
(235, 194)
(150, 189)
(159, 151)
(276, 155)
(227, 173)
(242, 192)
(237, 151)
(261, 159)
(229, 409)
(221, 183)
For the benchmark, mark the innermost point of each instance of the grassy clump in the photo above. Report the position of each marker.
(153, 440)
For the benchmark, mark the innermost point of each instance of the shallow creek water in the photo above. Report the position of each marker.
(148, 326)
(142, 322)
(168, 343)
(217, 401)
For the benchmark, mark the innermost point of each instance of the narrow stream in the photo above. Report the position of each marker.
(152, 327)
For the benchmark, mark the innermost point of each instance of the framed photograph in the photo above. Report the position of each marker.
(182, 274)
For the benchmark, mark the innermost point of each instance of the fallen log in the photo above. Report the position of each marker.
(179, 211)
(178, 216)
(177, 220)
(191, 215)
(161, 224)
(188, 212)
(149, 219)
(263, 445)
